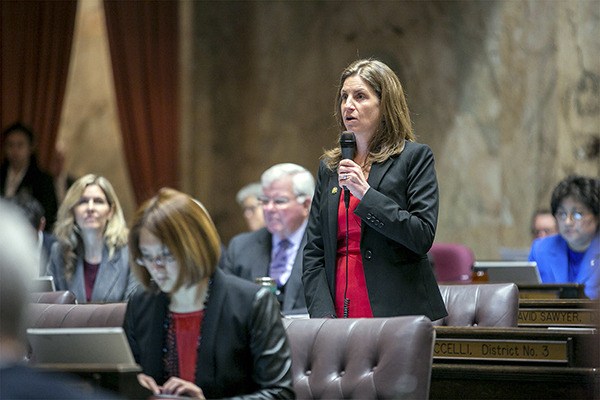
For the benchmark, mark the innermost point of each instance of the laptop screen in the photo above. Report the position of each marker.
(519, 272)
(80, 346)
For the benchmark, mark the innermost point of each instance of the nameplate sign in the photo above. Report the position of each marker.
(502, 350)
(557, 317)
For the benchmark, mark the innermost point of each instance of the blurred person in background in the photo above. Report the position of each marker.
(17, 268)
(91, 257)
(543, 224)
(247, 198)
(19, 171)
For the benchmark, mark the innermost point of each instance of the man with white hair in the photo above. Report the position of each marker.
(18, 267)
(275, 251)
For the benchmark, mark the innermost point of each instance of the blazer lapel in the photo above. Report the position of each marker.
(378, 171)
(333, 194)
(260, 266)
(591, 259)
(108, 274)
(294, 284)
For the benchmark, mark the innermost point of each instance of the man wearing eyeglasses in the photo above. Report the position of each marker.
(573, 255)
(275, 251)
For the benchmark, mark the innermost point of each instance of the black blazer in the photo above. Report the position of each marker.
(243, 349)
(248, 256)
(39, 185)
(398, 221)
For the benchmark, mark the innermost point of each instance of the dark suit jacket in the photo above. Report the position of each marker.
(248, 256)
(551, 255)
(398, 221)
(115, 281)
(39, 185)
(243, 349)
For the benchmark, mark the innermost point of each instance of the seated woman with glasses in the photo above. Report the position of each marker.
(195, 330)
(573, 255)
(90, 257)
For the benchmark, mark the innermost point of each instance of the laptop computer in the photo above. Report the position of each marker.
(519, 272)
(80, 346)
(43, 284)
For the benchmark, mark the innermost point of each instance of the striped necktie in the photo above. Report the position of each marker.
(279, 262)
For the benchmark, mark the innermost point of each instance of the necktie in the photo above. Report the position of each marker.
(279, 262)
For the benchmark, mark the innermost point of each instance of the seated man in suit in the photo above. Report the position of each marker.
(276, 250)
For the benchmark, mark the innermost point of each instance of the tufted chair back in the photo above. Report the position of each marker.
(76, 315)
(56, 297)
(368, 358)
(480, 305)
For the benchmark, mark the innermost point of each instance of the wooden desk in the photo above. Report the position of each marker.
(579, 313)
(515, 363)
(552, 291)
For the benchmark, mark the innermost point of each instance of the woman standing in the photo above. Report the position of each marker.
(197, 331)
(90, 257)
(392, 214)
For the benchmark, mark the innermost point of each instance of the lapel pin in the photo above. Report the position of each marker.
(334, 190)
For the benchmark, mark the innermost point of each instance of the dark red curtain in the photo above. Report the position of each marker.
(143, 40)
(36, 43)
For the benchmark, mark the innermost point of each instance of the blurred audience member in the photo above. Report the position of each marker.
(19, 171)
(276, 250)
(543, 224)
(247, 198)
(34, 212)
(572, 256)
(197, 331)
(17, 268)
(91, 256)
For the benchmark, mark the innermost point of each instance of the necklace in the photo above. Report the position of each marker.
(169, 349)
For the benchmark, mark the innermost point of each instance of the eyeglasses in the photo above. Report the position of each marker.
(278, 201)
(160, 260)
(562, 215)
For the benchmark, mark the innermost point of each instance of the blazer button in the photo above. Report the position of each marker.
(368, 254)
(381, 224)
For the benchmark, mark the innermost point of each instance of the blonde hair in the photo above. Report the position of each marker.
(66, 229)
(184, 226)
(395, 126)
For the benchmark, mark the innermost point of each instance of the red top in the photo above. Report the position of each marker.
(187, 333)
(90, 271)
(359, 306)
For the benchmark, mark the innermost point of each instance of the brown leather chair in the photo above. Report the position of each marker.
(368, 358)
(76, 315)
(56, 297)
(480, 305)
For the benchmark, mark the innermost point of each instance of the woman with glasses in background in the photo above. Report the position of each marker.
(90, 257)
(197, 331)
(572, 255)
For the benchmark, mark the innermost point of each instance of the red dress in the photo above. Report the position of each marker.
(359, 306)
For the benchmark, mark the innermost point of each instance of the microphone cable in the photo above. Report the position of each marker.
(346, 299)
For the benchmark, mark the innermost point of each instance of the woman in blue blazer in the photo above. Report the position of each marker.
(572, 256)
(195, 330)
(391, 203)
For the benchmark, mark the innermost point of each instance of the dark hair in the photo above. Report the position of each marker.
(30, 206)
(18, 127)
(583, 189)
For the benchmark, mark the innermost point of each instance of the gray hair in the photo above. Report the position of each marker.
(18, 267)
(251, 189)
(303, 183)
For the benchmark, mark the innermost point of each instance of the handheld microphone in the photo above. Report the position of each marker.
(348, 147)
